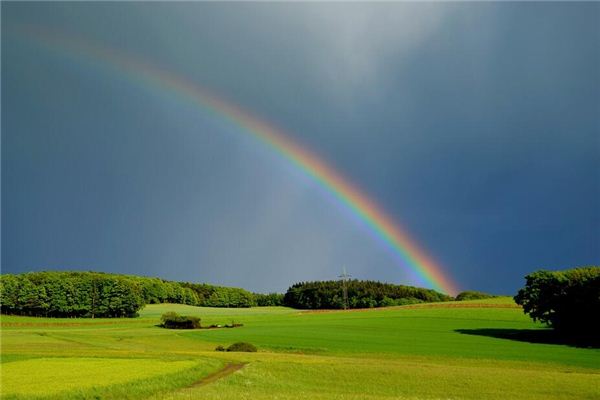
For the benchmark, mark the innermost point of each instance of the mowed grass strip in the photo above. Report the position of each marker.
(92, 378)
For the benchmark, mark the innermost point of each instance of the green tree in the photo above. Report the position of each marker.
(568, 301)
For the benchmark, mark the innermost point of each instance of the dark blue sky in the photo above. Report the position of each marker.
(475, 125)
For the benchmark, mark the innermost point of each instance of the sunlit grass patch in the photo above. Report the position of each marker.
(300, 377)
(102, 377)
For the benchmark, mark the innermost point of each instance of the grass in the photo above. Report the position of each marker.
(420, 352)
(95, 377)
(406, 378)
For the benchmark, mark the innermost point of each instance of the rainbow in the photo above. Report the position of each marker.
(147, 75)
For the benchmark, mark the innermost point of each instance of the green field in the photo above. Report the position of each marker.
(437, 351)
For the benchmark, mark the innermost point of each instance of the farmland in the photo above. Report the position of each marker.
(430, 351)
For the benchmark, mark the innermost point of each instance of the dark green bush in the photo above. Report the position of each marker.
(219, 348)
(243, 347)
(172, 320)
(473, 295)
(568, 301)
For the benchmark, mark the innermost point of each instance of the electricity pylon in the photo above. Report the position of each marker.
(344, 277)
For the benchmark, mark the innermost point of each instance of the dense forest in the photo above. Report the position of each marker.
(96, 294)
(361, 294)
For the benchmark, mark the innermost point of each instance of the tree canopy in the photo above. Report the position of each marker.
(361, 294)
(473, 295)
(568, 301)
(97, 294)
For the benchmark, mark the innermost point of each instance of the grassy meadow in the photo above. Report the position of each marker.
(430, 351)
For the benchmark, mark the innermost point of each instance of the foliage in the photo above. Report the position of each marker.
(242, 347)
(70, 294)
(219, 348)
(569, 300)
(220, 296)
(172, 320)
(97, 294)
(473, 295)
(268, 300)
(361, 294)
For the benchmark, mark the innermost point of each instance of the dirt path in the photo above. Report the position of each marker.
(215, 376)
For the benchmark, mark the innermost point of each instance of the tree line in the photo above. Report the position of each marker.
(361, 294)
(473, 295)
(97, 294)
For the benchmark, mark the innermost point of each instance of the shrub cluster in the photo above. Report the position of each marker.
(473, 295)
(568, 301)
(361, 294)
(172, 320)
(239, 347)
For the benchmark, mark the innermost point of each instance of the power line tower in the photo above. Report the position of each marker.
(344, 276)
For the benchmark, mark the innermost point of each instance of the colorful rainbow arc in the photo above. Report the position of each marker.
(344, 191)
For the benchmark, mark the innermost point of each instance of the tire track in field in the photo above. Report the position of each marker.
(220, 374)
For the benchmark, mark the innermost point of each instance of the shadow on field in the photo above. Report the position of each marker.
(546, 336)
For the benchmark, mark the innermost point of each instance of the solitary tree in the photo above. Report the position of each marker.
(568, 301)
